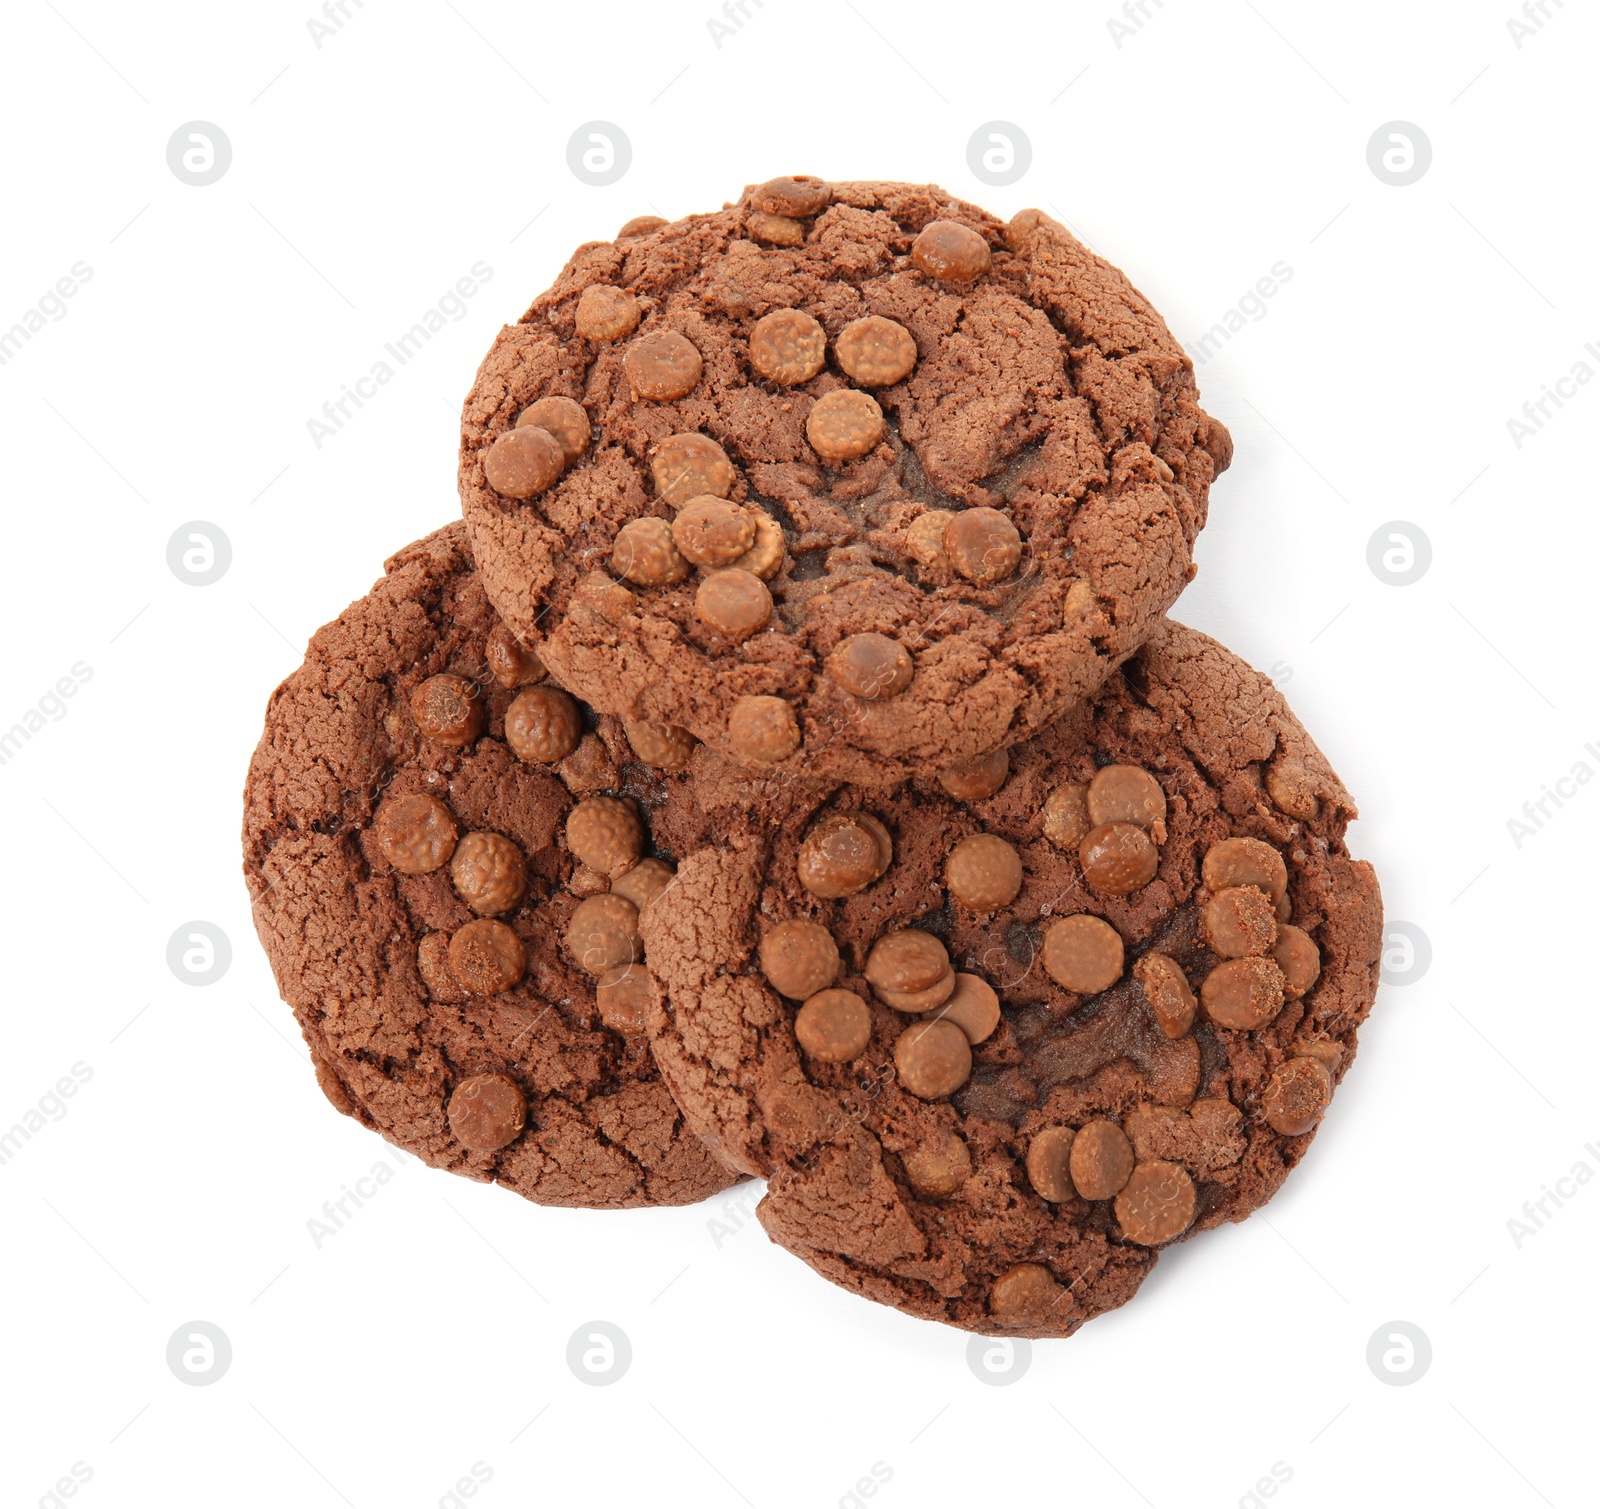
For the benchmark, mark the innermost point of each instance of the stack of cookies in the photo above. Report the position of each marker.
(786, 768)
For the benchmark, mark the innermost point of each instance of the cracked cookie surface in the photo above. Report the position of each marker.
(898, 416)
(992, 1054)
(424, 818)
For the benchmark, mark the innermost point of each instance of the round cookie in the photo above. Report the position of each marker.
(865, 489)
(458, 972)
(1099, 1009)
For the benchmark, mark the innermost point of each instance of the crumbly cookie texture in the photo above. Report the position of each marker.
(467, 984)
(719, 453)
(992, 1053)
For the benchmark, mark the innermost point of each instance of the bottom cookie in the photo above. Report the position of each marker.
(446, 863)
(994, 1042)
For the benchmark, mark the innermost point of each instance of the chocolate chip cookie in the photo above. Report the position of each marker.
(447, 858)
(850, 480)
(994, 1047)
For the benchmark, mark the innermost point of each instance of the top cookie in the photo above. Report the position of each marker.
(851, 480)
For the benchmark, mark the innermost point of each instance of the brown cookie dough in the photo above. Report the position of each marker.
(1015, 1176)
(415, 885)
(973, 440)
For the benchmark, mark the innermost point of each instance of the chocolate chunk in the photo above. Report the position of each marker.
(487, 1112)
(646, 553)
(933, 1059)
(875, 352)
(871, 666)
(543, 725)
(689, 466)
(1118, 858)
(834, 1026)
(983, 545)
(950, 251)
(1243, 994)
(788, 346)
(489, 873)
(606, 313)
(1296, 1096)
(603, 934)
(799, 958)
(1082, 954)
(604, 832)
(1049, 1155)
(798, 194)
(487, 958)
(1156, 1204)
(662, 365)
(762, 730)
(565, 419)
(524, 462)
(1101, 1160)
(417, 834)
(844, 424)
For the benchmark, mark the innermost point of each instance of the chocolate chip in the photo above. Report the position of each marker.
(973, 1007)
(489, 873)
(932, 1059)
(662, 365)
(1049, 1153)
(1066, 816)
(661, 746)
(624, 996)
(487, 1112)
(640, 225)
(1118, 858)
(775, 230)
(1243, 993)
(843, 853)
(939, 1165)
(948, 250)
(1292, 789)
(930, 998)
(799, 958)
(1156, 1204)
(523, 462)
(644, 882)
(875, 352)
(925, 539)
(1082, 954)
(983, 545)
(1296, 1096)
(447, 710)
(788, 346)
(1027, 1291)
(417, 834)
(604, 832)
(844, 424)
(1127, 794)
(645, 552)
(795, 194)
(871, 666)
(486, 957)
(762, 730)
(565, 419)
(1166, 988)
(711, 532)
(765, 556)
(1284, 910)
(734, 603)
(1238, 921)
(834, 1026)
(1101, 1160)
(1245, 861)
(543, 725)
(606, 313)
(433, 964)
(973, 780)
(603, 934)
(690, 466)
(610, 599)
(511, 662)
(906, 959)
(984, 873)
(1298, 958)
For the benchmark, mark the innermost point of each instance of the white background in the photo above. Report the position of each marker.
(368, 175)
